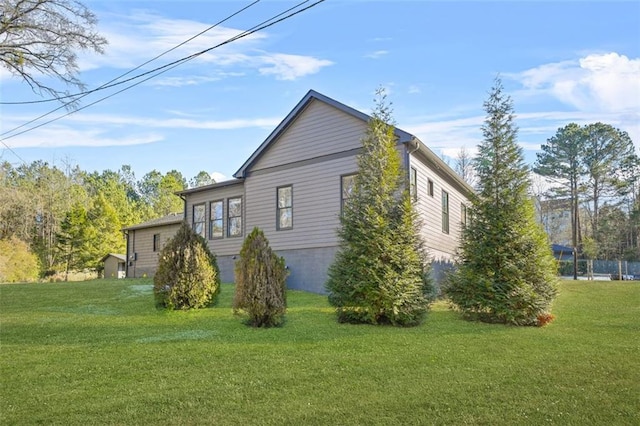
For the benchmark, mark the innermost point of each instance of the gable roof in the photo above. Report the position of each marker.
(311, 95)
(121, 257)
(169, 219)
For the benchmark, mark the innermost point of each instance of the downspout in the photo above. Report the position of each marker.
(126, 256)
(184, 206)
(411, 150)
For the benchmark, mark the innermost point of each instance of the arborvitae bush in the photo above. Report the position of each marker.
(380, 274)
(505, 271)
(260, 282)
(188, 276)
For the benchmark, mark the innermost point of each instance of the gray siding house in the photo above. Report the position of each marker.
(294, 184)
(145, 241)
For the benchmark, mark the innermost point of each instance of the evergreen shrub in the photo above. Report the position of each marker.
(188, 276)
(381, 273)
(260, 277)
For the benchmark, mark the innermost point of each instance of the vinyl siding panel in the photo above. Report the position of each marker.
(141, 246)
(316, 203)
(441, 245)
(319, 130)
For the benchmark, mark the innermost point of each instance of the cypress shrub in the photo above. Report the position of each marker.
(505, 271)
(381, 273)
(188, 275)
(260, 283)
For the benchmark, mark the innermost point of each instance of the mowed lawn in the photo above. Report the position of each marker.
(99, 352)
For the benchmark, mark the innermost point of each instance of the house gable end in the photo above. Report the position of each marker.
(307, 132)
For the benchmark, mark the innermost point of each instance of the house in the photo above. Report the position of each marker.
(144, 242)
(294, 185)
(114, 265)
(555, 217)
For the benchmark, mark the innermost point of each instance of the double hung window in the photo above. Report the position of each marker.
(284, 208)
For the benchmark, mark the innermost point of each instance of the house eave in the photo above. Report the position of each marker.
(222, 184)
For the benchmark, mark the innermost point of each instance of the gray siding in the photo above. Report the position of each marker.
(142, 260)
(318, 131)
(316, 203)
(441, 246)
(311, 154)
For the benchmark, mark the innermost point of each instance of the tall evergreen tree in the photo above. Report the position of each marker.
(561, 159)
(505, 271)
(380, 274)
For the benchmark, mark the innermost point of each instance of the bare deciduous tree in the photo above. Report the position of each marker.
(464, 166)
(42, 38)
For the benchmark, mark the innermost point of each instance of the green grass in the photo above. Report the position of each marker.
(98, 352)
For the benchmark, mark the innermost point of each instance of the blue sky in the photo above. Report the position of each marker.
(561, 62)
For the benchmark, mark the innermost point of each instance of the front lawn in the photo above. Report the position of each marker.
(98, 352)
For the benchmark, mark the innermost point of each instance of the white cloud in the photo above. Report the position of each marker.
(377, 54)
(63, 136)
(218, 177)
(95, 130)
(138, 38)
(290, 67)
(597, 88)
(598, 82)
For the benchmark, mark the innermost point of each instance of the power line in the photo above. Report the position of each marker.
(108, 84)
(160, 70)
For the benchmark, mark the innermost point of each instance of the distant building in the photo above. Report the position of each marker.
(114, 265)
(145, 241)
(555, 217)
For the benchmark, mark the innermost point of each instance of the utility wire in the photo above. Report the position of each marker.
(112, 83)
(108, 84)
(160, 70)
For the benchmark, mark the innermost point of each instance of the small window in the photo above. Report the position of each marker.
(156, 242)
(199, 219)
(413, 184)
(445, 212)
(234, 217)
(430, 187)
(346, 189)
(463, 214)
(216, 216)
(284, 208)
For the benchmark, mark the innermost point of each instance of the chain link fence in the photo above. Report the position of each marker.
(601, 269)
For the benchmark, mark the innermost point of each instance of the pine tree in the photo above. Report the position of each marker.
(380, 274)
(188, 276)
(260, 282)
(505, 271)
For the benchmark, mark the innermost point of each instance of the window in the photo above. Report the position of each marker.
(198, 219)
(284, 208)
(234, 217)
(413, 184)
(445, 212)
(430, 187)
(346, 189)
(216, 215)
(156, 242)
(463, 214)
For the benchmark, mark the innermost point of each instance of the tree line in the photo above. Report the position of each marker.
(56, 219)
(595, 173)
